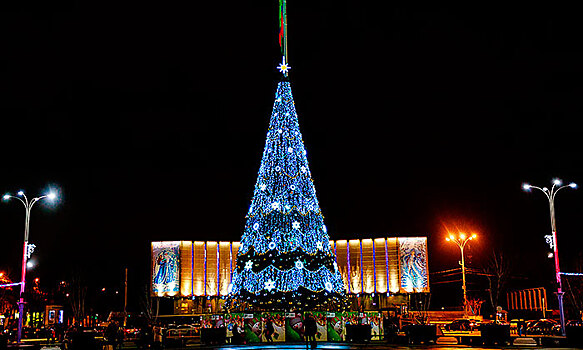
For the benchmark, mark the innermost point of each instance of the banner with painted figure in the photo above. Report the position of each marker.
(253, 328)
(375, 320)
(413, 265)
(294, 327)
(235, 324)
(353, 318)
(165, 268)
(335, 326)
(276, 331)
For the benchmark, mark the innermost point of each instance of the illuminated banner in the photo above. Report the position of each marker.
(165, 268)
(413, 264)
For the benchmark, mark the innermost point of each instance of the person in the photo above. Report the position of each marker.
(269, 330)
(310, 331)
(111, 334)
(237, 338)
(521, 328)
(157, 336)
(120, 336)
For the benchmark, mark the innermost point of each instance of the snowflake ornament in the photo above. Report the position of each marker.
(283, 66)
(248, 265)
(299, 265)
(295, 225)
(263, 187)
(319, 245)
(269, 285)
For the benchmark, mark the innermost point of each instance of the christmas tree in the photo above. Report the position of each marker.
(285, 260)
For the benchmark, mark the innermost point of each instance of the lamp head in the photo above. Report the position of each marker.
(30, 264)
(474, 236)
(462, 235)
(447, 239)
(557, 182)
(6, 197)
(52, 196)
(21, 193)
(573, 185)
(545, 189)
(526, 187)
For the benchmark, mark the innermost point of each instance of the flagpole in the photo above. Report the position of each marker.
(284, 10)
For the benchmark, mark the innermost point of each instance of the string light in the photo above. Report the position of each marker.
(284, 247)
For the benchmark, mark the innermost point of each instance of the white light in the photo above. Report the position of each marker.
(299, 265)
(271, 245)
(256, 226)
(248, 265)
(319, 245)
(526, 187)
(269, 285)
(328, 286)
(545, 189)
(573, 185)
(51, 196)
(20, 193)
(6, 197)
(557, 182)
(295, 225)
(30, 264)
(283, 66)
(230, 288)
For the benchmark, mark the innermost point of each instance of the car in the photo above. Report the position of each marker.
(463, 324)
(82, 338)
(544, 326)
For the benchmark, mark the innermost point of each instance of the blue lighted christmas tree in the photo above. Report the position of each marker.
(285, 260)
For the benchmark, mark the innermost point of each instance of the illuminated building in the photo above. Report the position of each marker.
(376, 272)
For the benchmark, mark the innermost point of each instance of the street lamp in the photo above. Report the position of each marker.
(461, 240)
(552, 239)
(27, 248)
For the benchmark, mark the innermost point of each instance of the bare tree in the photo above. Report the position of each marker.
(146, 303)
(497, 271)
(77, 295)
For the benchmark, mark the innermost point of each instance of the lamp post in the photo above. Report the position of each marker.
(461, 240)
(557, 186)
(26, 250)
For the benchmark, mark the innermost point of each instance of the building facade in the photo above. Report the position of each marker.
(380, 266)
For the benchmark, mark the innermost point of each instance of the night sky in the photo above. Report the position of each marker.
(151, 122)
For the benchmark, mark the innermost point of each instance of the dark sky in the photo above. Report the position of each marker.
(151, 121)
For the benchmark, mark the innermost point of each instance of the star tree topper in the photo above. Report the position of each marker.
(283, 66)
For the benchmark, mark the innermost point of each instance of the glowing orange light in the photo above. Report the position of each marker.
(474, 236)
(36, 280)
(462, 235)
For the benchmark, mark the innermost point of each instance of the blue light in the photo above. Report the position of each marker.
(285, 217)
